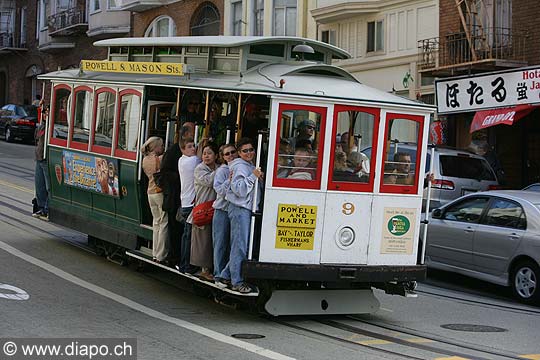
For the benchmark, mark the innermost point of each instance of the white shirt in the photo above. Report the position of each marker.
(186, 169)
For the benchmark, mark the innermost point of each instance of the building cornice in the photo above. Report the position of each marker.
(345, 10)
(376, 63)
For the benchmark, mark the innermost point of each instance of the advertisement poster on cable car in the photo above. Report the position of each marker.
(398, 231)
(91, 173)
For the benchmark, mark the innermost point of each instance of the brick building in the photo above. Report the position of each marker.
(41, 36)
(177, 18)
(488, 36)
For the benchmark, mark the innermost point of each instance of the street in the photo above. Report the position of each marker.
(66, 291)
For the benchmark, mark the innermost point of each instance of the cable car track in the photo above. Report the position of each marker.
(485, 354)
(508, 308)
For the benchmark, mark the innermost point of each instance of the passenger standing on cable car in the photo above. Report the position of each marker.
(186, 168)
(221, 228)
(41, 174)
(152, 151)
(245, 178)
(202, 250)
(171, 196)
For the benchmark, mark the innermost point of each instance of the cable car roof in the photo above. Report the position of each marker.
(221, 41)
(300, 78)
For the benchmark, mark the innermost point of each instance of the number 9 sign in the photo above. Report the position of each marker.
(347, 208)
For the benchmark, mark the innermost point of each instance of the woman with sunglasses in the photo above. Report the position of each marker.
(220, 223)
(245, 177)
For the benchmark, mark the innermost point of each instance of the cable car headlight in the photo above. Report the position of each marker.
(345, 236)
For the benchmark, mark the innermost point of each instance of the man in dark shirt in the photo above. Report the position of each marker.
(41, 175)
(171, 197)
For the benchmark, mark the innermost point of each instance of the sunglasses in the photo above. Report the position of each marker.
(232, 152)
(310, 127)
(250, 150)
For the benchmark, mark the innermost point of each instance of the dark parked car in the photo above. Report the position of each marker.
(18, 121)
(493, 236)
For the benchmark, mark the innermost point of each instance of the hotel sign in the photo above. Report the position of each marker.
(503, 89)
(133, 67)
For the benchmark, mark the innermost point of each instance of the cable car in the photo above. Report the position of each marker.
(333, 224)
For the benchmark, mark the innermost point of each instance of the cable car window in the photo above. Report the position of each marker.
(354, 129)
(103, 130)
(403, 138)
(299, 146)
(82, 118)
(130, 113)
(60, 130)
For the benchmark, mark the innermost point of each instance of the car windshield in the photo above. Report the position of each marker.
(27, 111)
(466, 167)
(533, 187)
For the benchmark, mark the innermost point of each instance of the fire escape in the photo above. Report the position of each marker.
(482, 44)
(69, 20)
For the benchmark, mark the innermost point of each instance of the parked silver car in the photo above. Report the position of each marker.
(493, 236)
(457, 173)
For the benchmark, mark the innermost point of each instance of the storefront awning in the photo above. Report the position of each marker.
(509, 115)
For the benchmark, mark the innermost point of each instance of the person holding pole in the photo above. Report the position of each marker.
(41, 174)
(241, 195)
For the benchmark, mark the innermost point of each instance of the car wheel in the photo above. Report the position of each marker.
(8, 135)
(525, 281)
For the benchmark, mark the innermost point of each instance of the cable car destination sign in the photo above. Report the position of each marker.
(296, 226)
(133, 67)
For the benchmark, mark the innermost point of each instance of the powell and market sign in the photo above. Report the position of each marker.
(503, 89)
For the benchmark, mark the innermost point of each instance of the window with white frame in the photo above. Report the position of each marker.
(95, 5)
(112, 4)
(258, 18)
(329, 37)
(284, 17)
(62, 5)
(375, 36)
(162, 26)
(6, 24)
(205, 21)
(22, 41)
(40, 21)
(236, 17)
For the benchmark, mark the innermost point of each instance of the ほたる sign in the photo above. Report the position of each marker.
(296, 226)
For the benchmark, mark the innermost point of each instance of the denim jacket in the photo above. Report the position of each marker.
(221, 186)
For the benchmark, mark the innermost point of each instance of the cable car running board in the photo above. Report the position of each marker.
(140, 256)
(322, 302)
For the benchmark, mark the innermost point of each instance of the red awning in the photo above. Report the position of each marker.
(487, 118)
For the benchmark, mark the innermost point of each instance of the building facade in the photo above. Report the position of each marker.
(382, 37)
(175, 18)
(41, 36)
(488, 36)
(267, 18)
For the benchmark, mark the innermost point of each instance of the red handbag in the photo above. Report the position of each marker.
(203, 213)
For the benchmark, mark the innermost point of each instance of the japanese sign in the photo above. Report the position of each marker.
(398, 231)
(90, 172)
(296, 226)
(493, 90)
(133, 67)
